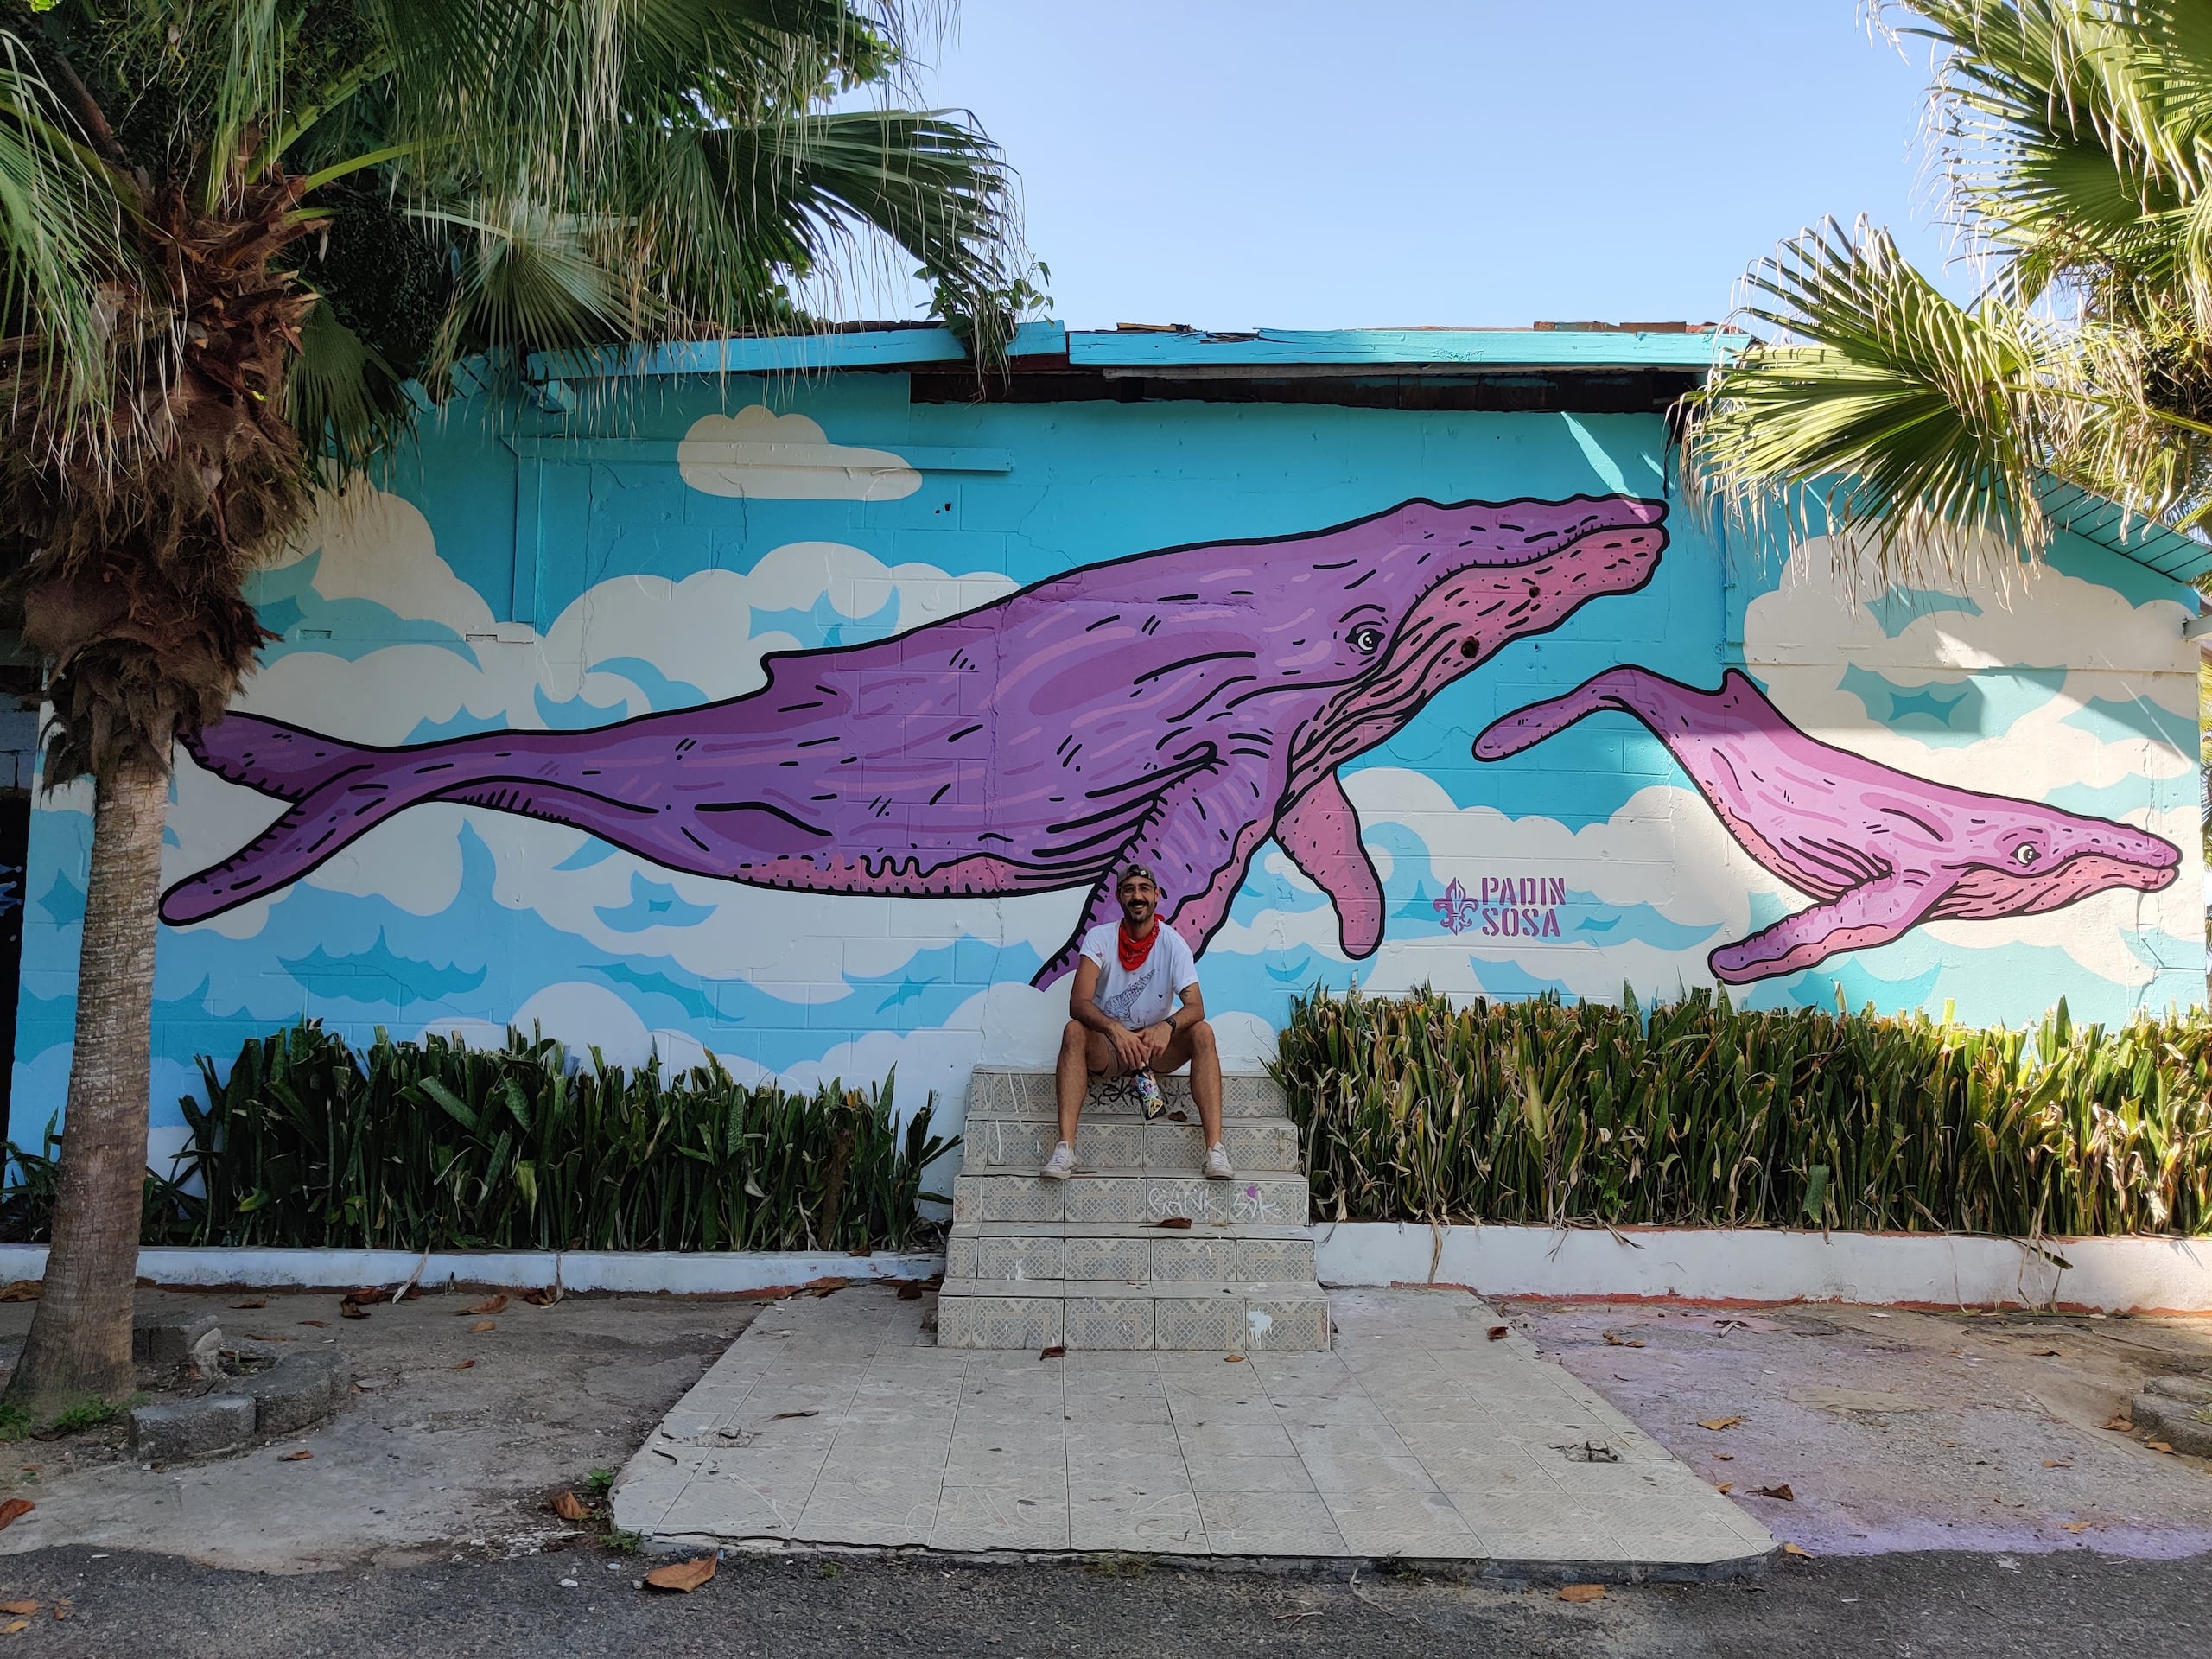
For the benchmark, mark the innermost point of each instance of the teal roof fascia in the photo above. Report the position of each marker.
(1403, 348)
(862, 348)
(2111, 526)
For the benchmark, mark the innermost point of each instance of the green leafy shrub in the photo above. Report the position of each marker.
(428, 1144)
(1700, 1114)
(414, 1146)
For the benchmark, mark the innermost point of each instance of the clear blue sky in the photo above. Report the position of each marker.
(1234, 163)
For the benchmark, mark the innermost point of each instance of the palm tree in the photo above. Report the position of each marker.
(242, 238)
(2076, 142)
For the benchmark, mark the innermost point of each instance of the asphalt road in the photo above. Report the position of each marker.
(1956, 1605)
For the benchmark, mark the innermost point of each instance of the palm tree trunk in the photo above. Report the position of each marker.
(80, 1342)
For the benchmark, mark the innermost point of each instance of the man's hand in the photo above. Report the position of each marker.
(1133, 1049)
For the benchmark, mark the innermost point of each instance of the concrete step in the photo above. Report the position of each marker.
(992, 1145)
(1004, 1092)
(1129, 1195)
(1019, 1252)
(1252, 1316)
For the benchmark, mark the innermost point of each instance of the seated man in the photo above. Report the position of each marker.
(1123, 1018)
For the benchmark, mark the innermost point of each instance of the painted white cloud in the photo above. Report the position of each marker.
(760, 454)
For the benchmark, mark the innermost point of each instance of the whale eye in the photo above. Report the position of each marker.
(1367, 640)
(2026, 854)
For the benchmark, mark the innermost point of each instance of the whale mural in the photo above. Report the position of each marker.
(1882, 851)
(1179, 707)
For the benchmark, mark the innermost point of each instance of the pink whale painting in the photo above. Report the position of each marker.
(1178, 707)
(1882, 851)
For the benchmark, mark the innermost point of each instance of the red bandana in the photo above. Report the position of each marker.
(1133, 951)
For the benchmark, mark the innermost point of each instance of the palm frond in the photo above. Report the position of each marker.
(1903, 421)
(61, 240)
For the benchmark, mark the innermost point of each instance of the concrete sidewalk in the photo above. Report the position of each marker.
(1420, 1436)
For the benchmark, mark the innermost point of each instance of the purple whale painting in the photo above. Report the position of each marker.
(1178, 707)
(1882, 851)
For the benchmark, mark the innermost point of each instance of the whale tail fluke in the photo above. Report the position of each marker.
(339, 791)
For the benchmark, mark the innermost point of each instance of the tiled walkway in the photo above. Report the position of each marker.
(836, 1421)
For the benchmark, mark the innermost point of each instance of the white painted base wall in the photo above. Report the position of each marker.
(2112, 1275)
(676, 1273)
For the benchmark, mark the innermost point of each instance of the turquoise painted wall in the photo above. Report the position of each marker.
(518, 577)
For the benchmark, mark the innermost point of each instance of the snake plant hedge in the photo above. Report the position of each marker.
(1700, 1114)
(305, 1142)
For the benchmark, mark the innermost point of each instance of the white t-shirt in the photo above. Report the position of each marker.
(1150, 994)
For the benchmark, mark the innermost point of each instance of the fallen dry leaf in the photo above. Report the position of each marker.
(569, 1506)
(2124, 1423)
(910, 1292)
(1052, 1352)
(1798, 1550)
(544, 1298)
(14, 1510)
(1716, 1424)
(489, 1305)
(1781, 1491)
(258, 1301)
(2077, 1525)
(1725, 1487)
(1173, 1221)
(1583, 1592)
(300, 1456)
(464, 1364)
(353, 1310)
(18, 1606)
(319, 1325)
(1496, 1333)
(482, 1325)
(781, 1415)
(21, 1290)
(686, 1576)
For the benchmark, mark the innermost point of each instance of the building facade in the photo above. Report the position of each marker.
(795, 700)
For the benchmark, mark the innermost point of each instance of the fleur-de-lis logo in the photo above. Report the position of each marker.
(1456, 910)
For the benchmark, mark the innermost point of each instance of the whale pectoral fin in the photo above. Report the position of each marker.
(1198, 841)
(1320, 832)
(1882, 910)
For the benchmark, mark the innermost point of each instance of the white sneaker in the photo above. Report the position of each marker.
(1217, 1167)
(1061, 1165)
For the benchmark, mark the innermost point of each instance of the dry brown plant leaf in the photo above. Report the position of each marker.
(685, 1576)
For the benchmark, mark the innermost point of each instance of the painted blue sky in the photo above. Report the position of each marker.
(1478, 162)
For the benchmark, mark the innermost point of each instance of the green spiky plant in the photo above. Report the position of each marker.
(241, 237)
(2075, 137)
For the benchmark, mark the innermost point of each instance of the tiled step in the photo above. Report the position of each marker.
(1233, 1317)
(992, 1144)
(998, 1091)
(1129, 1195)
(1015, 1252)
